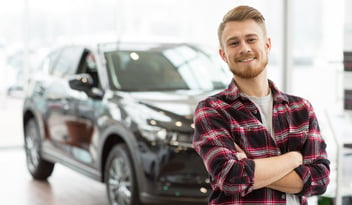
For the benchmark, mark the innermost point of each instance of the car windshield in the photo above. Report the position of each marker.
(176, 68)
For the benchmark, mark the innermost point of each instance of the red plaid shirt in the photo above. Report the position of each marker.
(229, 117)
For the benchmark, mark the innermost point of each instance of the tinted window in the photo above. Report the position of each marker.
(48, 62)
(172, 69)
(67, 64)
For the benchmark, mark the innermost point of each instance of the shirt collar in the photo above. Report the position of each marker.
(233, 92)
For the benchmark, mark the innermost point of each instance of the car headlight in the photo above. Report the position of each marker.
(155, 134)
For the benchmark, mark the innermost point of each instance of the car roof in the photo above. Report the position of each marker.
(138, 46)
(102, 47)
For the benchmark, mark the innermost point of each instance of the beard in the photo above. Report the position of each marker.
(251, 71)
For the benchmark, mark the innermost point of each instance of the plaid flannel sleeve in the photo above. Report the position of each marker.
(214, 143)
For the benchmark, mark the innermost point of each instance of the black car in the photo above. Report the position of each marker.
(121, 113)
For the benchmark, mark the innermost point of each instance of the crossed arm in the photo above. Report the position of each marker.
(277, 172)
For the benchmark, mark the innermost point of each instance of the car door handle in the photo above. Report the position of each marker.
(65, 104)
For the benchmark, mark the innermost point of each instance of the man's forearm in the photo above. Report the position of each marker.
(272, 169)
(291, 183)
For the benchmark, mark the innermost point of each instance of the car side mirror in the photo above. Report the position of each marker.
(82, 82)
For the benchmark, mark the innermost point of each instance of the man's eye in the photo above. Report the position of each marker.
(252, 40)
(234, 43)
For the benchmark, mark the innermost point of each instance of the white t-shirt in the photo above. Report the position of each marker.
(265, 106)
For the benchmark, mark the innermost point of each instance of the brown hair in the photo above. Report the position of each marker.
(241, 13)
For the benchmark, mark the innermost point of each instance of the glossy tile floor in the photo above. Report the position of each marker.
(64, 187)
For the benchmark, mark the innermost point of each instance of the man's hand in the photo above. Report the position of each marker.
(240, 153)
(276, 172)
(297, 157)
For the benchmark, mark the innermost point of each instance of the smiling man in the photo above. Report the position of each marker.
(259, 145)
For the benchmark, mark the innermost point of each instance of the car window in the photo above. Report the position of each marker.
(171, 69)
(139, 70)
(68, 61)
(200, 71)
(88, 65)
(48, 62)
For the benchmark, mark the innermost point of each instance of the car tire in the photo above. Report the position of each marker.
(120, 177)
(39, 168)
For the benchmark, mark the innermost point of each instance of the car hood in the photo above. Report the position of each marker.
(181, 103)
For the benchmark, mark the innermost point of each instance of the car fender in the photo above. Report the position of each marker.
(124, 135)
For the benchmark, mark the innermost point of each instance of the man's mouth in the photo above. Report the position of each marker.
(246, 60)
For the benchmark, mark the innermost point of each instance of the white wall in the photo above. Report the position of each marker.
(317, 27)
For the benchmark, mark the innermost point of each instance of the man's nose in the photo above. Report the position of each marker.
(245, 48)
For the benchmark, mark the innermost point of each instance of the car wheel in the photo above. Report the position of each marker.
(39, 168)
(120, 177)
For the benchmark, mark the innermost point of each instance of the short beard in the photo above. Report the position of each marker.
(250, 73)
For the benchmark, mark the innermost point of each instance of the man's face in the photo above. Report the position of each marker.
(245, 48)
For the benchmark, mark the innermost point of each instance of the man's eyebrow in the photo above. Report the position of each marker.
(232, 38)
(251, 35)
(236, 37)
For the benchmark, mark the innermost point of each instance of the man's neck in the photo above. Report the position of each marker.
(256, 87)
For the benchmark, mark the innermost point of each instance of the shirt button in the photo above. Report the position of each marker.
(255, 112)
(283, 196)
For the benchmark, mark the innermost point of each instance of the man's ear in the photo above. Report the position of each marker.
(222, 55)
(268, 44)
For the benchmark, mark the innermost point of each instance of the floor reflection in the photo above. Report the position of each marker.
(64, 187)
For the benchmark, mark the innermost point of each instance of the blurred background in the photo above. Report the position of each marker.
(310, 42)
(307, 37)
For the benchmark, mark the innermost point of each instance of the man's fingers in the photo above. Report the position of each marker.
(240, 153)
(238, 148)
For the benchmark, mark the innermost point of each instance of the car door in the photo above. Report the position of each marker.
(87, 102)
(62, 112)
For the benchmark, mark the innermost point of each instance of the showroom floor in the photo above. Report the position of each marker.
(64, 187)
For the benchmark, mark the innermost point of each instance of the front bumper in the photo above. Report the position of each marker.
(172, 175)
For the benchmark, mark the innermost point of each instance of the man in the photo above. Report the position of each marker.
(259, 145)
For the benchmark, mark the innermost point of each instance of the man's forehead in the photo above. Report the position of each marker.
(243, 26)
